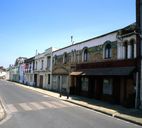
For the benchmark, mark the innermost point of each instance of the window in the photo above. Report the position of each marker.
(36, 65)
(125, 50)
(132, 48)
(85, 55)
(64, 81)
(42, 62)
(73, 56)
(31, 77)
(48, 62)
(107, 51)
(65, 58)
(54, 82)
(54, 59)
(84, 84)
(107, 86)
(48, 78)
(30, 68)
(78, 56)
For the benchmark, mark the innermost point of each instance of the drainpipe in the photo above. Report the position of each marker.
(139, 50)
(136, 89)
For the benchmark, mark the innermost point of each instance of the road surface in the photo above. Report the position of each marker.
(28, 109)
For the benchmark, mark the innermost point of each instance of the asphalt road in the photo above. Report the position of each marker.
(28, 109)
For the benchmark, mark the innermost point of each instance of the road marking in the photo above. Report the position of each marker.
(47, 104)
(12, 108)
(34, 106)
(25, 106)
(37, 106)
(68, 104)
(58, 104)
(45, 96)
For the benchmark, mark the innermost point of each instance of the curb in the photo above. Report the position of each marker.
(129, 120)
(116, 115)
(89, 108)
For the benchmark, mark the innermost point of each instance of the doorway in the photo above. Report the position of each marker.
(41, 81)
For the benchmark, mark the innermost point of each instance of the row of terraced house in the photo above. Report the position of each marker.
(103, 68)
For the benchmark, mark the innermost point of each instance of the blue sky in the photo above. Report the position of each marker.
(27, 25)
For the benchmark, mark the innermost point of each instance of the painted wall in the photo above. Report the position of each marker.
(90, 43)
(46, 69)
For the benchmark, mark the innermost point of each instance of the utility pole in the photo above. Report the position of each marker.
(139, 53)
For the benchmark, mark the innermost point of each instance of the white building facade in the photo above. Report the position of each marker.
(43, 69)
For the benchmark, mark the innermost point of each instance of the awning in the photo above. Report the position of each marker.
(75, 73)
(116, 71)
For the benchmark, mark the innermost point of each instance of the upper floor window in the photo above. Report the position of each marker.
(36, 65)
(54, 59)
(129, 49)
(65, 58)
(132, 48)
(85, 55)
(33, 65)
(78, 56)
(125, 49)
(73, 56)
(42, 62)
(48, 61)
(30, 67)
(107, 54)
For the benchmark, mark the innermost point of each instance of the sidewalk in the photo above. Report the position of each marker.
(131, 115)
(2, 111)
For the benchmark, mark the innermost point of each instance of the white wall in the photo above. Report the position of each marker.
(38, 58)
(90, 43)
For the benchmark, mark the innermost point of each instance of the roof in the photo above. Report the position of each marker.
(115, 71)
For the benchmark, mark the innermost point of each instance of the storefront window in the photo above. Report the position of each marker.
(31, 78)
(54, 78)
(64, 81)
(107, 86)
(84, 84)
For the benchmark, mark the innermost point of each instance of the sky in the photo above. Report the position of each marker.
(30, 25)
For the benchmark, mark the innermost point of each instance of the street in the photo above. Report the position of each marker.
(28, 109)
